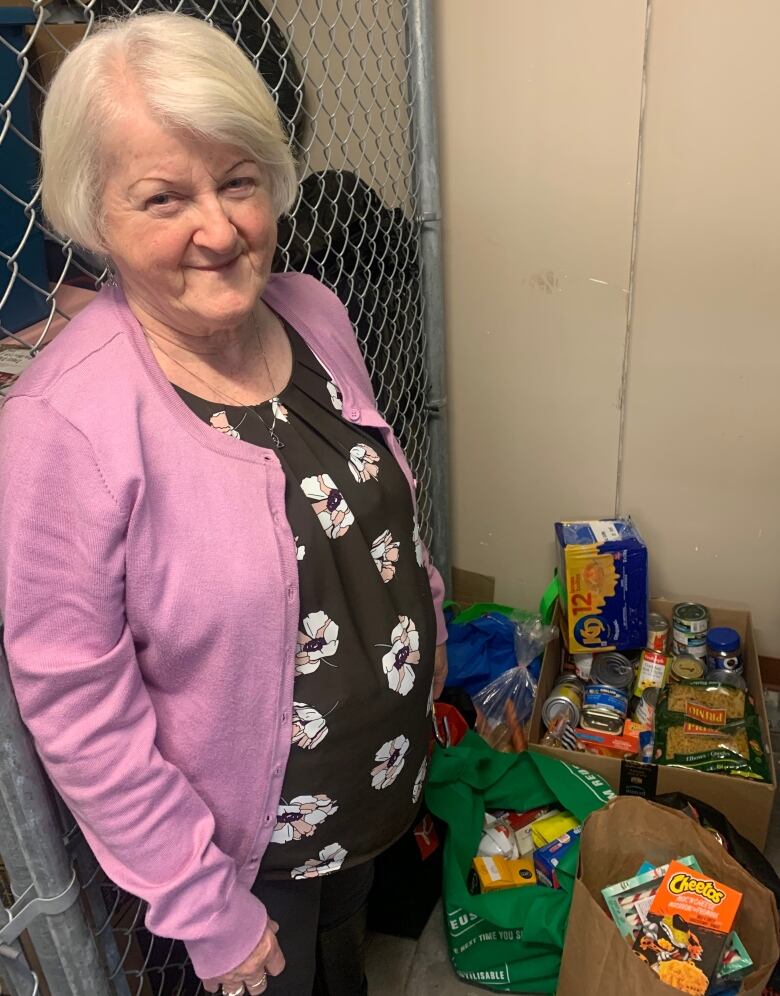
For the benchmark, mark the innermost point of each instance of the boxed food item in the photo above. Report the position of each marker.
(629, 903)
(490, 874)
(547, 858)
(687, 929)
(746, 802)
(603, 569)
(625, 744)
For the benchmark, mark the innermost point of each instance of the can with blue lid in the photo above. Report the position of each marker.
(724, 650)
(604, 708)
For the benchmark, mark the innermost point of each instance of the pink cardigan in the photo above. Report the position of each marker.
(157, 689)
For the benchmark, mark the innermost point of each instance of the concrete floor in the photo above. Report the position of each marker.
(401, 967)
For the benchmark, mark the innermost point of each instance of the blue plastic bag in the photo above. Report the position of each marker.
(479, 650)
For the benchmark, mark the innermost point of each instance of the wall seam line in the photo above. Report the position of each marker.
(632, 266)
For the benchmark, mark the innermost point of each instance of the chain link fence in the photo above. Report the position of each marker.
(352, 82)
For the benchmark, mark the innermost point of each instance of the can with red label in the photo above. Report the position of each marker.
(657, 632)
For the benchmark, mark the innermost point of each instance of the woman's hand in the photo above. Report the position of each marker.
(251, 975)
(439, 670)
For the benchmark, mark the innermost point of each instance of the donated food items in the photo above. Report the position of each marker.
(688, 928)
(522, 848)
(692, 709)
(711, 726)
(603, 570)
(661, 935)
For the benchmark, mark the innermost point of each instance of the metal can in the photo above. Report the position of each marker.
(601, 720)
(686, 667)
(724, 650)
(644, 711)
(690, 618)
(565, 699)
(657, 632)
(652, 672)
(583, 664)
(606, 695)
(612, 669)
(690, 646)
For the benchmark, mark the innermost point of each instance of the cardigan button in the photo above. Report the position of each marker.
(354, 414)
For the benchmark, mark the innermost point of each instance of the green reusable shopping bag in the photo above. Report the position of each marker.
(509, 941)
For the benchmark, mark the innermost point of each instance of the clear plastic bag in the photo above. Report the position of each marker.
(505, 705)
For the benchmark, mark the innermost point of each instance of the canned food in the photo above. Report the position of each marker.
(601, 720)
(657, 632)
(723, 650)
(653, 669)
(691, 647)
(582, 665)
(606, 697)
(685, 667)
(565, 699)
(690, 618)
(644, 712)
(612, 669)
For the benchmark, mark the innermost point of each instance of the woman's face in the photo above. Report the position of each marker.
(189, 224)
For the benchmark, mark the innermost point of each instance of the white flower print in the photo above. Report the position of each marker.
(329, 505)
(418, 547)
(308, 726)
(301, 816)
(364, 463)
(384, 550)
(330, 860)
(300, 549)
(320, 640)
(391, 760)
(404, 652)
(420, 780)
(280, 413)
(335, 396)
(219, 421)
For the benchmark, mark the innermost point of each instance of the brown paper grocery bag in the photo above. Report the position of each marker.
(616, 840)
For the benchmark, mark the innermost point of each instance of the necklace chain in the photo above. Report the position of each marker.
(224, 395)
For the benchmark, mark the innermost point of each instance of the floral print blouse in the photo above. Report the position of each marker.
(364, 663)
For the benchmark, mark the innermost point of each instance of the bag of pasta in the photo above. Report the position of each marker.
(711, 726)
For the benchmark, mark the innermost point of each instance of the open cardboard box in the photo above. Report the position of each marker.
(747, 804)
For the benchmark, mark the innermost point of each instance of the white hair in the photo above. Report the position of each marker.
(192, 76)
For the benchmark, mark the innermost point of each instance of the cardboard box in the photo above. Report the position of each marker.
(746, 804)
(51, 45)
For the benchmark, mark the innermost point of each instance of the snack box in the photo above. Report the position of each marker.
(494, 873)
(546, 859)
(552, 827)
(688, 926)
(608, 744)
(628, 903)
(603, 572)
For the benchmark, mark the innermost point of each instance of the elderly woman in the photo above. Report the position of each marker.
(221, 623)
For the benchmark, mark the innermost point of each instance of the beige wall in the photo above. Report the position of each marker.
(703, 405)
(539, 110)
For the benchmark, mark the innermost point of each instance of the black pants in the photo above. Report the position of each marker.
(322, 932)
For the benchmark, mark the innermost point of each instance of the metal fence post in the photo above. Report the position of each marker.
(34, 854)
(422, 100)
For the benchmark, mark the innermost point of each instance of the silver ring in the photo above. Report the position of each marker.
(236, 993)
(260, 982)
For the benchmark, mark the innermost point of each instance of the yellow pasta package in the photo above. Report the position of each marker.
(710, 726)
